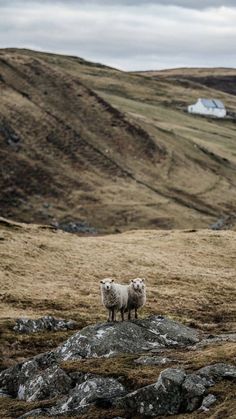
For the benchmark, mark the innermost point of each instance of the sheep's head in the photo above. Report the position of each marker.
(138, 284)
(106, 284)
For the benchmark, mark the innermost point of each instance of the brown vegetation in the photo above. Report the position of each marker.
(85, 142)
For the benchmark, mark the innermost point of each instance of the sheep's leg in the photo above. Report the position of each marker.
(122, 314)
(136, 313)
(113, 314)
(109, 316)
(129, 315)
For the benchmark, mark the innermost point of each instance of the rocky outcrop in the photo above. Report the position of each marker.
(47, 384)
(94, 390)
(161, 398)
(44, 323)
(127, 337)
(46, 377)
(176, 392)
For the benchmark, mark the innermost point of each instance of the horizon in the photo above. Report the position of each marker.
(128, 35)
(115, 68)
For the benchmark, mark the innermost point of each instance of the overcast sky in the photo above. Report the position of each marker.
(127, 34)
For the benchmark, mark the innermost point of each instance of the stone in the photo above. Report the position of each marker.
(208, 401)
(15, 378)
(109, 339)
(9, 380)
(152, 360)
(49, 383)
(44, 323)
(194, 390)
(76, 227)
(169, 332)
(3, 394)
(162, 398)
(92, 390)
(218, 371)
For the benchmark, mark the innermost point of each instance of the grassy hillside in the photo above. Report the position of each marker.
(85, 142)
(43, 272)
(222, 79)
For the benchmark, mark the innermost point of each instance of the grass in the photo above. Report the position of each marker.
(129, 162)
(97, 167)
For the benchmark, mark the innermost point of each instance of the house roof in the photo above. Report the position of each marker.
(213, 103)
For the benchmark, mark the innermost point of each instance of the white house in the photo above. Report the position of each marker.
(213, 107)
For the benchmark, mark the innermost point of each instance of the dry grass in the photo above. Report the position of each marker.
(99, 168)
(190, 277)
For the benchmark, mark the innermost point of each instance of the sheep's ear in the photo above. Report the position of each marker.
(132, 280)
(102, 282)
(112, 280)
(143, 280)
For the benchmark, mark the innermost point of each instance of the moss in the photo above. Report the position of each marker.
(123, 367)
(16, 347)
(11, 408)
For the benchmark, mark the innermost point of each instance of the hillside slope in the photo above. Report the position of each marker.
(223, 79)
(83, 142)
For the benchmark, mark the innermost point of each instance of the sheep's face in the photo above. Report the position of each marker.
(106, 284)
(138, 284)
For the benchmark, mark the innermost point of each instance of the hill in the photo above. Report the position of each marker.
(44, 271)
(85, 143)
(222, 79)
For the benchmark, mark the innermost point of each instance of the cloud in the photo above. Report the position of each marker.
(188, 4)
(126, 34)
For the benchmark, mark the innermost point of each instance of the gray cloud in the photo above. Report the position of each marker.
(148, 35)
(188, 4)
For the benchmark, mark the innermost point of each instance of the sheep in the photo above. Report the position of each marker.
(137, 296)
(114, 298)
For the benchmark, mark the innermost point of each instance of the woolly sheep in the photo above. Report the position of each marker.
(114, 298)
(137, 296)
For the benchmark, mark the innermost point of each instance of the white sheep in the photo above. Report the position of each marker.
(137, 296)
(114, 298)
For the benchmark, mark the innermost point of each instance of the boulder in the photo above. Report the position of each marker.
(208, 401)
(9, 380)
(218, 372)
(169, 332)
(92, 390)
(109, 339)
(162, 398)
(194, 389)
(49, 383)
(14, 379)
(44, 323)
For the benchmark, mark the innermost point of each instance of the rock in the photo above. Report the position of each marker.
(162, 398)
(76, 227)
(152, 360)
(169, 332)
(208, 401)
(109, 339)
(194, 388)
(49, 383)
(92, 390)
(218, 372)
(12, 378)
(44, 323)
(214, 339)
(3, 394)
(9, 380)
(9, 134)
